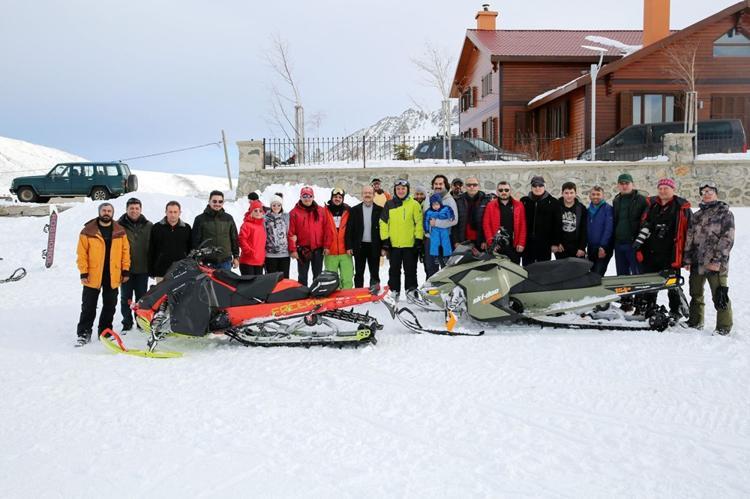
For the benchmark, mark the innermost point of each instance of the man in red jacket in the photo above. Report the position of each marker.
(505, 211)
(308, 224)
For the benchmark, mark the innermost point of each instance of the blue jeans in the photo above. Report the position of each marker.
(136, 285)
(625, 259)
(223, 265)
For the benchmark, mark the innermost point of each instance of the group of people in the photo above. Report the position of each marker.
(411, 225)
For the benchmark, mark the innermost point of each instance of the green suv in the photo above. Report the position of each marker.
(99, 181)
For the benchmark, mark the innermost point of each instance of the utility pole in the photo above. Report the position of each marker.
(226, 159)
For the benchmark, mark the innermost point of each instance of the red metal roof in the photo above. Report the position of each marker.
(548, 43)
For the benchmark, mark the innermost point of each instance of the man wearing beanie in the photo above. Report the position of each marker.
(543, 222)
(401, 233)
(709, 240)
(336, 249)
(661, 240)
(308, 224)
(104, 263)
(628, 207)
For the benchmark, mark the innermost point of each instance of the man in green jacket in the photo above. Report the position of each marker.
(628, 207)
(138, 230)
(215, 227)
(401, 233)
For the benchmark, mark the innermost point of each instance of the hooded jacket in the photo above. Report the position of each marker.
(91, 255)
(710, 237)
(668, 225)
(309, 224)
(168, 244)
(252, 238)
(401, 222)
(219, 227)
(542, 219)
(139, 235)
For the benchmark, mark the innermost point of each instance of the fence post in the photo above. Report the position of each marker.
(364, 151)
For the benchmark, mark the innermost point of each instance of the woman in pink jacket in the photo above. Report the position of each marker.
(252, 240)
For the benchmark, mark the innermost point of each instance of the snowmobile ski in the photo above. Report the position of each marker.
(17, 275)
(114, 343)
(413, 324)
(51, 229)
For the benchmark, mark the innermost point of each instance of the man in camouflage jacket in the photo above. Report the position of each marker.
(709, 241)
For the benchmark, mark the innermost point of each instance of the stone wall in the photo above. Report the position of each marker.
(732, 177)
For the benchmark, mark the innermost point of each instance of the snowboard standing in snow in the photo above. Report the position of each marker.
(51, 230)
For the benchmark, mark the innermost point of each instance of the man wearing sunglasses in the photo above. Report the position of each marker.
(709, 241)
(471, 205)
(509, 213)
(215, 227)
(543, 222)
(308, 224)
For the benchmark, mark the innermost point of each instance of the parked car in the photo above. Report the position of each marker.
(636, 142)
(99, 181)
(466, 149)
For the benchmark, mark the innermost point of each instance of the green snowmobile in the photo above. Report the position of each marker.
(489, 287)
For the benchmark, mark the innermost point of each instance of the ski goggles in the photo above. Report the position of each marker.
(337, 191)
(708, 185)
(402, 182)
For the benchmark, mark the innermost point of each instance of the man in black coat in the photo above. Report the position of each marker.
(170, 241)
(471, 205)
(138, 230)
(543, 222)
(363, 236)
(216, 227)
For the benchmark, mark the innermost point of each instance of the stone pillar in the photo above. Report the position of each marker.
(251, 162)
(679, 148)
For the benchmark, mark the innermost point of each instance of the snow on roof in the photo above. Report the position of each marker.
(624, 48)
(548, 92)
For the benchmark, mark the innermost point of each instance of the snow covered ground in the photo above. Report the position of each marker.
(517, 412)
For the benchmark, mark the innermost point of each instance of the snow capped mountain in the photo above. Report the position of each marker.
(18, 157)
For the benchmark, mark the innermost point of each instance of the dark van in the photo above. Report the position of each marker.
(637, 142)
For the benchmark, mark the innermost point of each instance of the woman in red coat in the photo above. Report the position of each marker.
(252, 240)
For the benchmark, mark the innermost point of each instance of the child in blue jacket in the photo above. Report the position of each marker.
(439, 237)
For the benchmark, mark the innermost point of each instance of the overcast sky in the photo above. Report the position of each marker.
(112, 79)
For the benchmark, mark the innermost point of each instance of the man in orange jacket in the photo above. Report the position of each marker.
(104, 264)
(338, 255)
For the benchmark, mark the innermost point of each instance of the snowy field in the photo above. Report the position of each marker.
(519, 412)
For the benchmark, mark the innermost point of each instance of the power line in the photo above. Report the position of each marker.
(171, 152)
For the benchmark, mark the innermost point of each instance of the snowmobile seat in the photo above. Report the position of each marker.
(250, 288)
(288, 290)
(568, 273)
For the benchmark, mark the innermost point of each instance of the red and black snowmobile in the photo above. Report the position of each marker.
(264, 310)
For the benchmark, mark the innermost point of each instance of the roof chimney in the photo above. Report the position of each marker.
(655, 21)
(486, 18)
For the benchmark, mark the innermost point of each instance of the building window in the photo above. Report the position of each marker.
(557, 121)
(653, 108)
(732, 44)
(487, 84)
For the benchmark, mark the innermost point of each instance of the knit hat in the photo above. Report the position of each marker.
(436, 198)
(256, 205)
(667, 182)
(537, 179)
(277, 199)
(307, 191)
(420, 188)
(625, 177)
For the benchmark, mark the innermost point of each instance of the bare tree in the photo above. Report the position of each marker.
(683, 68)
(436, 65)
(280, 62)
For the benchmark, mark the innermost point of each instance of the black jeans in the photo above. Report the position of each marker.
(136, 285)
(316, 262)
(514, 255)
(536, 251)
(89, 299)
(246, 269)
(406, 257)
(600, 264)
(278, 265)
(649, 299)
(368, 255)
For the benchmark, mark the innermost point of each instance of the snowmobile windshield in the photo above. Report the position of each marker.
(462, 254)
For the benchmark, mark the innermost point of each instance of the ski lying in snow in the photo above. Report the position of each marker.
(413, 324)
(17, 275)
(114, 343)
(51, 229)
(341, 339)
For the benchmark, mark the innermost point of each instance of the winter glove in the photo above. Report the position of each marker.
(420, 249)
(642, 236)
(721, 299)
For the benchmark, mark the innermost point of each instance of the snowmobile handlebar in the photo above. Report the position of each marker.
(204, 252)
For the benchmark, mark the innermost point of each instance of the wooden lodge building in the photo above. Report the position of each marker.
(532, 88)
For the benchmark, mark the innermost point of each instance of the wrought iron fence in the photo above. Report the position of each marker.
(384, 151)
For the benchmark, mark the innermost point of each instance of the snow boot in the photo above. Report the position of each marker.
(83, 340)
(722, 332)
